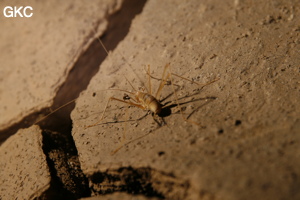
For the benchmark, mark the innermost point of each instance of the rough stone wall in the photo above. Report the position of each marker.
(236, 138)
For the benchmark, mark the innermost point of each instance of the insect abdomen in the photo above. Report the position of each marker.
(149, 102)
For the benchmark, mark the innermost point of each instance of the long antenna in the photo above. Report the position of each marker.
(102, 45)
(54, 111)
(98, 38)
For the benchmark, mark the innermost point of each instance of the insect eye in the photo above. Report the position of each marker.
(126, 97)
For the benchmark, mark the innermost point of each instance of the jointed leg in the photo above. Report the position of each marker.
(130, 84)
(176, 99)
(162, 82)
(123, 138)
(110, 99)
(200, 84)
(149, 80)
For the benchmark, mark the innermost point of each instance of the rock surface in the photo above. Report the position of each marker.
(246, 144)
(37, 53)
(236, 138)
(24, 172)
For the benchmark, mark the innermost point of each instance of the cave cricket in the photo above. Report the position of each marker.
(142, 98)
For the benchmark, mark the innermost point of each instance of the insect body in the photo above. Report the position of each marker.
(148, 102)
(140, 99)
(144, 99)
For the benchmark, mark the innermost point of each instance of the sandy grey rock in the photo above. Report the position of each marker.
(246, 144)
(24, 173)
(38, 52)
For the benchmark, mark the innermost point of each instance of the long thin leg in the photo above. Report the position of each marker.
(110, 99)
(123, 138)
(130, 84)
(168, 75)
(149, 80)
(129, 102)
(200, 84)
(178, 105)
(176, 97)
(162, 82)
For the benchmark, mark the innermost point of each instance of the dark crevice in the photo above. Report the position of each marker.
(67, 179)
(24, 123)
(88, 63)
(144, 180)
(59, 147)
(83, 71)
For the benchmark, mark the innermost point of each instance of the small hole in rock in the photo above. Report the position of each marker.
(221, 131)
(94, 94)
(193, 141)
(238, 122)
(161, 153)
